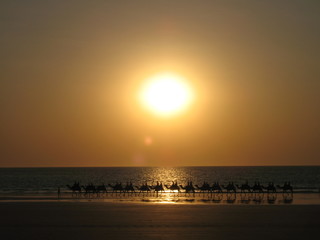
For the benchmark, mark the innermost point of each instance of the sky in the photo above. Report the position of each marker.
(70, 72)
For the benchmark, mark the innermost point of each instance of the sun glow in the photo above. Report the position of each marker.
(166, 94)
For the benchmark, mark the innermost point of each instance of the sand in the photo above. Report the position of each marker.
(100, 220)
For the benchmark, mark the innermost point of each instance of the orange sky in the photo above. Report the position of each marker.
(71, 70)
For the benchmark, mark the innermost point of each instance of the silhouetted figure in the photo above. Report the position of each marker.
(204, 188)
(287, 192)
(231, 192)
(90, 189)
(230, 188)
(145, 188)
(101, 189)
(257, 188)
(244, 188)
(75, 188)
(270, 188)
(174, 187)
(129, 188)
(117, 188)
(287, 188)
(158, 188)
(189, 188)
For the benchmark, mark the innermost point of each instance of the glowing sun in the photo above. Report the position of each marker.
(166, 94)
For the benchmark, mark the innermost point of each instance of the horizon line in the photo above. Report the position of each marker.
(160, 166)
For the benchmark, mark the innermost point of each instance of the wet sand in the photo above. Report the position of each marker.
(297, 198)
(100, 220)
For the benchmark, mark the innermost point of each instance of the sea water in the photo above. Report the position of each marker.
(48, 180)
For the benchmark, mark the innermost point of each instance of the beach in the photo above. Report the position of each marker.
(107, 220)
(38, 205)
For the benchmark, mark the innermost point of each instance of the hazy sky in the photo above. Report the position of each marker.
(70, 72)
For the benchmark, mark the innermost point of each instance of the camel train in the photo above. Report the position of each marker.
(216, 191)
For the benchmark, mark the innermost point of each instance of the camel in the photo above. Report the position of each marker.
(75, 188)
(287, 188)
(244, 188)
(204, 188)
(173, 187)
(257, 190)
(129, 188)
(158, 188)
(101, 189)
(189, 188)
(143, 188)
(245, 192)
(231, 192)
(270, 188)
(287, 192)
(216, 192)
(231, 188)
(116, 188)
(89, 189)
(272, 193)
(216, 188)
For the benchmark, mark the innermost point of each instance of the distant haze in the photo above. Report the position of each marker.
(70, 72)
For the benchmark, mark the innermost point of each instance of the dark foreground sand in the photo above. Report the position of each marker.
(98, 220)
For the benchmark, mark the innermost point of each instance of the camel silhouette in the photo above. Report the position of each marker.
(271, 193)
(145, 188)
(101, 189)
(244, 188)
(231, 192)
(158, 188)
(205, 188)
(287, 192)
(189, 188)
(75, 188)
(216, 187)
(129, 188)
(270, 188)
(89, 190)
(117, 188)
(174, 187)
(257, 190)
(231, 188)
(245, 192)
(287, 188)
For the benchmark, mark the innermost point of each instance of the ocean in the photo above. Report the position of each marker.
(304, 179)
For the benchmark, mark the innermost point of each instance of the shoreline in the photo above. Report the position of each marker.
(199, 199)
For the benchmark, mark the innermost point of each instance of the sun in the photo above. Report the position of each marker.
(166, 94)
